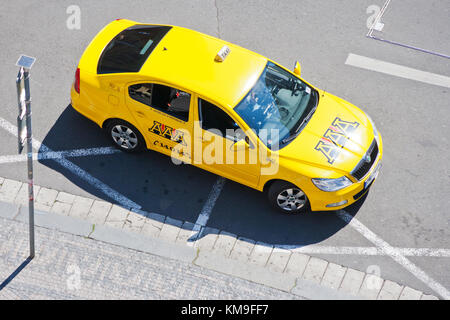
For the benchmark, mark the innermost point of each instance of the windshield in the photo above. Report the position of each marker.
(278, 106)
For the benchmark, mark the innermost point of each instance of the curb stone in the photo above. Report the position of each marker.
(275, 267)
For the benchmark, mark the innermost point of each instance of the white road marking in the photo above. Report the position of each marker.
(395, 254)
(367, 251)
(203, 217)
(378, 18)
(76, 170)
(60, 154)
(378, 26)
(397, 70)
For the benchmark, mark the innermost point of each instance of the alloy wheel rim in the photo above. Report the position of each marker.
(124, 137)
(291, 199)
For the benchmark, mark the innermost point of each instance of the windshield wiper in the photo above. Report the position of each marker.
(304, 121)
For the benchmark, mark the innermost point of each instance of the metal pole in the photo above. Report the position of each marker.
(30, 161)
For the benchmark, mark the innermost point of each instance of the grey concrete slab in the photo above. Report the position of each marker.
(253, 273)
(390, 291)
(143, 243)
(333, 276)
(316, 292)
(57, 222)
(315, 270)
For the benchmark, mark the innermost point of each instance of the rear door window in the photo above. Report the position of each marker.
(129, 50)
(169, 100)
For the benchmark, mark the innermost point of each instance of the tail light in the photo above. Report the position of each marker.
(76, 84)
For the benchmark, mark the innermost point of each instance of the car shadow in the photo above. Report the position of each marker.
(151, 181)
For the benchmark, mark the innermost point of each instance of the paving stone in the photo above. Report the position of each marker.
(61, 208)
(428, 297)
(207, 238)
(224, 243)
(135, 221)
(390, 291)
(170, 229)
(315, 270)
(242, 249)
(185, 232)
(333, 276)
(278, 260)
(116, 216)
(352, 281)
(22, 195)
(297, 264)
(81, 207)
(371, 286)
(46, 197)
(65, 197)
(410, 294)
(99, 211)
(9, 190)
(153, 224)
(42, 207)
(260, 253)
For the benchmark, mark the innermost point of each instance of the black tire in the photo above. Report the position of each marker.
(132, 139)
(295, 203)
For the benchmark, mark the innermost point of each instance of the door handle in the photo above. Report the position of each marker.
(114, 87)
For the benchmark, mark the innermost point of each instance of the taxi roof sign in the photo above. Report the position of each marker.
(222, 54)
(25, 61)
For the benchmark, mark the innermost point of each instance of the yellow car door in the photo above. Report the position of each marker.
(164, 117)
(222, 147)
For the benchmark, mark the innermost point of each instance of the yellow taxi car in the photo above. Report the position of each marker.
(228, 110)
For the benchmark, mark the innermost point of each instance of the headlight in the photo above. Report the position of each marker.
(375, 131)
(331, 184)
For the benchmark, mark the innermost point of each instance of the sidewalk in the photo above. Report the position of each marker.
(74, 267)
(128, 240)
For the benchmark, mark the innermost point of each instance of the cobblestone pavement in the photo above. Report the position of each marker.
(73, 267)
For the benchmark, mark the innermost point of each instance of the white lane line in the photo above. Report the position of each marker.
(203, 217)
(397, 70)
(60, 154)
(367, 251)
(394, 254)
(76, 170)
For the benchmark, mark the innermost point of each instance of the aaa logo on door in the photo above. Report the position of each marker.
(335, 138)
(167, 132)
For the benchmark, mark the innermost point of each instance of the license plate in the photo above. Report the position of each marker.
(373, 176)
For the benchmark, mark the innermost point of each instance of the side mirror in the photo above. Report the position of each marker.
(297, 68)
(242, 144)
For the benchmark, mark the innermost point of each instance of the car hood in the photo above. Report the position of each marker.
(336, 137)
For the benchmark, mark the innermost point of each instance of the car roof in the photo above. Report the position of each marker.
(186, 59)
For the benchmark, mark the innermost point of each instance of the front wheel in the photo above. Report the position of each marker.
(287, 198)
(125, 136)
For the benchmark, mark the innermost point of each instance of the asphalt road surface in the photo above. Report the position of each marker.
(407, 207)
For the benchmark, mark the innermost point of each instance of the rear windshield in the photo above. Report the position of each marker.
(128, 51)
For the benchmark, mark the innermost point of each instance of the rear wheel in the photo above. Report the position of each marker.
(287, 198)
(125, 136)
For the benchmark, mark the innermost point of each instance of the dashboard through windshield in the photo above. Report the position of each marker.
(276, 107)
